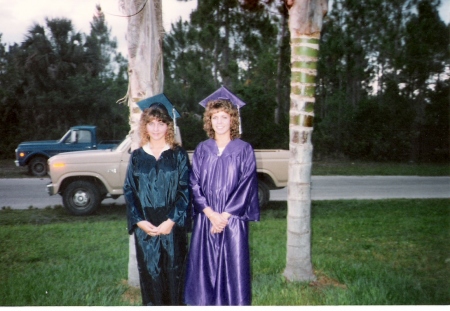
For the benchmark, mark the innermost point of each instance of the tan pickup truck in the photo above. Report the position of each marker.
(85, 178)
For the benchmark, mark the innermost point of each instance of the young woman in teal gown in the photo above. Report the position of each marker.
(157, 194)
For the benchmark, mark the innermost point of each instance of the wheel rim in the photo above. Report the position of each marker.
(38, 167)
(81, 198)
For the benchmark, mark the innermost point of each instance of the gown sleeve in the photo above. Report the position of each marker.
(243, 202)
(199, 200)
(130, 188)
(180, 210)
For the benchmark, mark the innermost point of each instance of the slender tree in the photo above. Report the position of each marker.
(145, 70)
(426, 55)
(305, 24)
(100, 48)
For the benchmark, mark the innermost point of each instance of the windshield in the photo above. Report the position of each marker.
(65, 136)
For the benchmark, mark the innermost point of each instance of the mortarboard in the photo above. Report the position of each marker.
(159, 99)
(223, 93)
(226, 94)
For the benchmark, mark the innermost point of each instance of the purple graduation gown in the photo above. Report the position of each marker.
(218, 268)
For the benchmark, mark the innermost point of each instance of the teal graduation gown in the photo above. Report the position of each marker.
(156, 190)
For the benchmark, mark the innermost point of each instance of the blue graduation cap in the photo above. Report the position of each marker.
(225, 94)
(162, 101)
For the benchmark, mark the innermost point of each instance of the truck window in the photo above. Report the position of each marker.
(72, 138)
(84, 137)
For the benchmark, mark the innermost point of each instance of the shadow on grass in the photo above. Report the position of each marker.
(58, 214)
(106, 212)
(274, 209)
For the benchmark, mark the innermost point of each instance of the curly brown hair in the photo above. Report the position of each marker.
(218, 105)
(157, 112)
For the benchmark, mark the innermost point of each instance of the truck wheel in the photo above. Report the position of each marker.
(263, 193)
(81, 197)
(38, 166)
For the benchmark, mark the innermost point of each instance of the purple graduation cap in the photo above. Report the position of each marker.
(225, 94)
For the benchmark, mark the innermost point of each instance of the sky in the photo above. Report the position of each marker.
(17, 16)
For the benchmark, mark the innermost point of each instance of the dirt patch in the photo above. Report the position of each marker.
(325, 281)
(132, 295)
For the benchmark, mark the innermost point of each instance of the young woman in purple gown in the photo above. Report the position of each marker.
(225, 198)
(157, 194)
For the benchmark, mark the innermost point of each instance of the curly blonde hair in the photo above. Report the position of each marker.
(157, 112)
(218, 105)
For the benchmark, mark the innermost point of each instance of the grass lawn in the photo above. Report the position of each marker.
(365, 252)
(359, 168)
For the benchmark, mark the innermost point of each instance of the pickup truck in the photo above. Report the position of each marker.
(36, 153)
(85, 178)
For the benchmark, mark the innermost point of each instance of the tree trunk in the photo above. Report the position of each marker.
(305, 23)
(145, 73)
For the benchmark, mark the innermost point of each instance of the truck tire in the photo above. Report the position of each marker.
(38, 166)
(81, 197)
(263, 193)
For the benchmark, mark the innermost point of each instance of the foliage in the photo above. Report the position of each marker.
(57, 78)
(383, 79)
(382, 85)
(225, 44)
(382, 75)
(365, 252)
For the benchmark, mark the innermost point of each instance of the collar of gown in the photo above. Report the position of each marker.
(148, 150)
(233, 146)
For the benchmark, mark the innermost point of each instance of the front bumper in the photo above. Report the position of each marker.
(50, 189)
(17, 162)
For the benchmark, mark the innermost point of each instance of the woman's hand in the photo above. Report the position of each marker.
(163, 229)
(218, 221)
(148, 227)
(166, 227)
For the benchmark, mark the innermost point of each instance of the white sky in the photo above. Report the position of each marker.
(17, 16)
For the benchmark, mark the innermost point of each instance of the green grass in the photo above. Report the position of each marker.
(358, 168)
(48, 258)
(368, 252)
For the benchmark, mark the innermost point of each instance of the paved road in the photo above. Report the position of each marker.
(21, 193)
(373, 187)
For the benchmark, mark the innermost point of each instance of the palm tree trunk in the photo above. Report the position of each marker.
(305, 23)
(145, 73)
